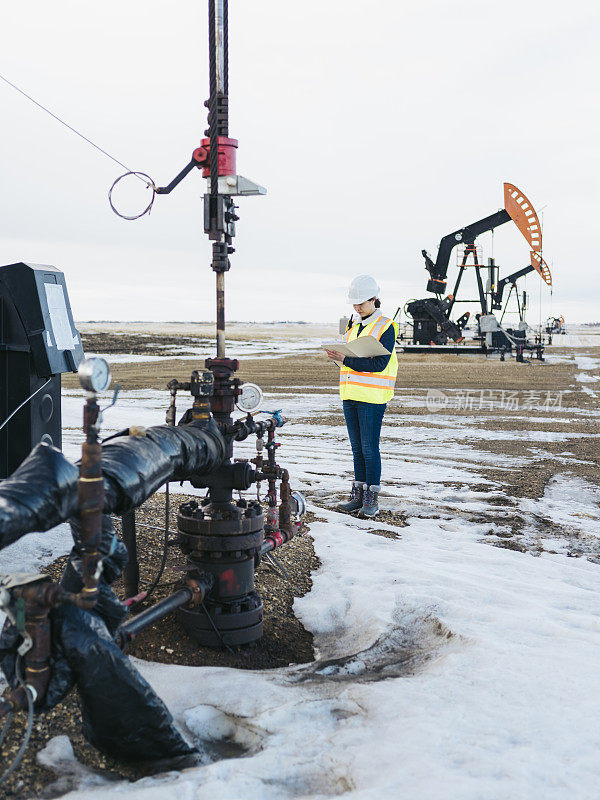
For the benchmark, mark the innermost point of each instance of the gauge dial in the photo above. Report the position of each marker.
(251, 398)
(94, 374)
(297, 504)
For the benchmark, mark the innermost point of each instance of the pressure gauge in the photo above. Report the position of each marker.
(250, 399)
(94, 374)
(297, 504)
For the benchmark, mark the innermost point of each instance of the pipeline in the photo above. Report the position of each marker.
(243, 428)
(273, 541)
(42, 492)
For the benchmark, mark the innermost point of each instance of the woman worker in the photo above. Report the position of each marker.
(366, 386)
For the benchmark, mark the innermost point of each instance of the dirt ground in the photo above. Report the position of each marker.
(313, 371)
(461, 380)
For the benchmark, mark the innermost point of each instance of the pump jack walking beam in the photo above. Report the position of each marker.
(516, 207)
(510, 279)
(467, 236)
(431, 316)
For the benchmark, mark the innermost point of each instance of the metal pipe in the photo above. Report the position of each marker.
(193, 592)
(90, 495)
(130, 629)
(131, 572)
(273, 541)
(220, 315)
(285, 513)
(50, 480)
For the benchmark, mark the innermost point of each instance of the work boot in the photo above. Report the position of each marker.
(370, 505)
(356, 497)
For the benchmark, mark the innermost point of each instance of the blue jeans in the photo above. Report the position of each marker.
(363, 421)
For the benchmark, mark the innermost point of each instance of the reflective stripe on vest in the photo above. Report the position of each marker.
(368, 379)
(370, 387)
(380, 326)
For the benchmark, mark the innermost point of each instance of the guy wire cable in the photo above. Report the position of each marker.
(5, 728)
(163, 562)
(216, 629)
(71, 128)
(25, 742)
(8, 419)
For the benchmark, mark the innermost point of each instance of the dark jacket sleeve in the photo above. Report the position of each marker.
(374, 363)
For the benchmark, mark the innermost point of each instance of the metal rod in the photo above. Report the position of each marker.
(482, 298)
(143, 525)
(474, 300)
(518, 304)
(220, 315)
(226, 47)
(90, 498)
(132, 627)
(512, 286)
(177, 179)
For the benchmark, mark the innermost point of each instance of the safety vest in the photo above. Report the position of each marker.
(370, 387)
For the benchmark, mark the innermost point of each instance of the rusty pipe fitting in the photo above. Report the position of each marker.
(285, 512)
(90, 496)
(39, 598)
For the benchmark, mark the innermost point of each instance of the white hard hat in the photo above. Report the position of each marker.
(362, 288)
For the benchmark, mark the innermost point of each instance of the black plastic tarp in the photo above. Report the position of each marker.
(122, 715)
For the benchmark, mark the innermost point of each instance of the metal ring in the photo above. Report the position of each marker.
(149, 182)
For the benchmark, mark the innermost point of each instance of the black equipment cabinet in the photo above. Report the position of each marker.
(501, 340)
(38, 342)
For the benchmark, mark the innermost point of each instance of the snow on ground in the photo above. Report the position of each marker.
(570, 502)
(419, 464)
(579, 339)
(36, 550)
(584, 363)
(445, 668)
(236, 349)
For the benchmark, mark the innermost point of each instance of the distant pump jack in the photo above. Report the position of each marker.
(432, 323)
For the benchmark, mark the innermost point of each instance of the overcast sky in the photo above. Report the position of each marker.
(377, 127)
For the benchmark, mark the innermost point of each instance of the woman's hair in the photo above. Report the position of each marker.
(377, 303)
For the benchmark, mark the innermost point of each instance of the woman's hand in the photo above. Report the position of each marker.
(335, 355)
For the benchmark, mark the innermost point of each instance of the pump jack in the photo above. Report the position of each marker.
(432, 323)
